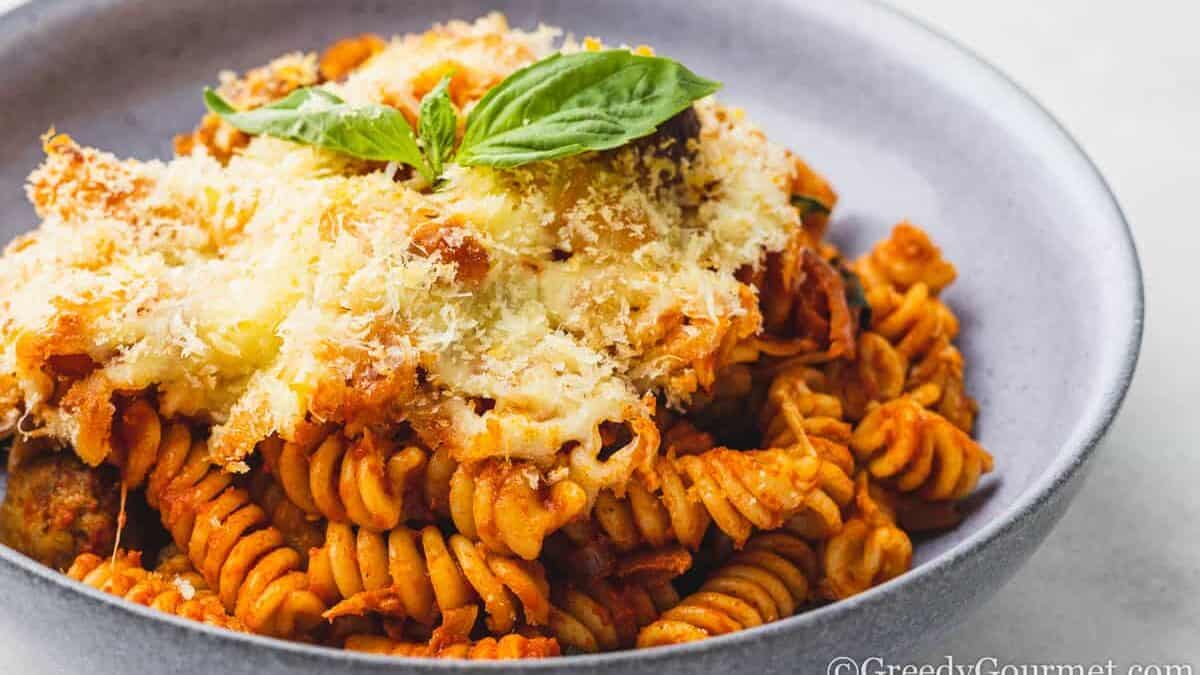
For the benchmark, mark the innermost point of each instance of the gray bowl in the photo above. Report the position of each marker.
(905, 123)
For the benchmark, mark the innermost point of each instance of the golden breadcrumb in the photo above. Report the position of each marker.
(284, 285)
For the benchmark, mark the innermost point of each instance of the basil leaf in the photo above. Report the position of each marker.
(317, 117)
(565, 105)
(856, 295)
(808, 203)
(438, 124)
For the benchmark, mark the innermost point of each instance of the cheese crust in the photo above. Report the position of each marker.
(510, 313)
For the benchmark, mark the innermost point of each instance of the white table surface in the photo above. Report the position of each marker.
(1119, 578)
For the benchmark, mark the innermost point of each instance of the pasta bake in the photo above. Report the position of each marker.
(477, 343)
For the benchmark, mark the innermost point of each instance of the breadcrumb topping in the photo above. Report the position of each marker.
(283, 285)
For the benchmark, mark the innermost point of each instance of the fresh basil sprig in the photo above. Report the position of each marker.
(438, 124)
(565, 105)
(560, 106)
(312, 116)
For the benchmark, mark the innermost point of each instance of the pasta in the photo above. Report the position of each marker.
(796, 416)
(452, 641)
(879, 374)
(299, 531)
(183, 595)
(226, 536)
(919, 449)
(619, 398)
(768, 580)
(421, 575)
(903, 276)
(737, 490)
(512, 646)
(366, 485)
(868, 551)
(509, 506)
(602, 616)
(363, 483)
(906, 259)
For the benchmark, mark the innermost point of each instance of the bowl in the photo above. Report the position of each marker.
(904, 122)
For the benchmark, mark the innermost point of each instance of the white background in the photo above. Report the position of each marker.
(1120, 576)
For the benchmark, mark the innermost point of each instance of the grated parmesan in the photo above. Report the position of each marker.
(292, 284)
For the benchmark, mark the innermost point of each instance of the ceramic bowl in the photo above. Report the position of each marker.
(905, 123)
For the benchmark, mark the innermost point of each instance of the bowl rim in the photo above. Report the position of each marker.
(906, 33)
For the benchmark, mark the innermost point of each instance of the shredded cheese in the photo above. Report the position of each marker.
(292, 285)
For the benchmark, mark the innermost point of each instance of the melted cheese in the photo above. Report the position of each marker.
(508, 314)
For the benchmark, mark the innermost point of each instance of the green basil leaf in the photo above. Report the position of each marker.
(314, 116)
(856, 295)
(808, 203)
(438, 124)
(567, 104)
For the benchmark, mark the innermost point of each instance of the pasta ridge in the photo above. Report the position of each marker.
(868, 551)
(374, 484)
(771, 578)
(738, 491)
(420, 575)
(452, 640)
(914, 448)
(603, 615)
(182, 595)
(217, 524)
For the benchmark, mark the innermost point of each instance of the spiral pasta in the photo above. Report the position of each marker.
(509, 506)
(942, 367)
(299, 530)
(879, 373)
(602, 616)
(501, 415)
(868, 551)
(511, 646)
(914, 321)
(452, 640)
(795, 415)
(226, 536)
(906, 259)
(421, 575)
(183, 595)
(739, 491)
(363, 481)
(903, 276)
(917, 449)
(771, 578)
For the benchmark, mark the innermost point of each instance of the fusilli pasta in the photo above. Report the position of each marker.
(422, 575)
(602, 616)
(916, 448)
(516, 416)
(183, 595)
(452, 641)
(868, 551)
(246, 562)
(511, 646)
(739, 491)
(771, 578)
